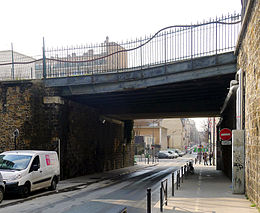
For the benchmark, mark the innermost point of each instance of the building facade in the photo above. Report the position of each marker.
(106, 57)
(175, 132)
(152, 129)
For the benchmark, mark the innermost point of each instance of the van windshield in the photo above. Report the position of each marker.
(14, 162)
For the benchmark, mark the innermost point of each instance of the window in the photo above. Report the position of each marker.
(14, 162)
(35, 163)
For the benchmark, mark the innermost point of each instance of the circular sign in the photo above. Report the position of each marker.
(225, 134)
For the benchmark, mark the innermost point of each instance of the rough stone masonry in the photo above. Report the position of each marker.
(249, 62)
(88, 142)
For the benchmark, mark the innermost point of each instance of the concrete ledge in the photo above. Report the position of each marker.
(53, 100)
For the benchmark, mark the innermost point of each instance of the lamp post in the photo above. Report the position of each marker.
(15, 134)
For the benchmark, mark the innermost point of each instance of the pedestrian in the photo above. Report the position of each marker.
(205, 158)
(199, 156)
(210, 157)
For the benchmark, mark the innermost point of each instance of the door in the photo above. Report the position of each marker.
(36, 176)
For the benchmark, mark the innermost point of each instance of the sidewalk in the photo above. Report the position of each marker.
(207, 191)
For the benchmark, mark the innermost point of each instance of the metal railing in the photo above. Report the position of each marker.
(168, 45)
(176, 175)
(163, 194)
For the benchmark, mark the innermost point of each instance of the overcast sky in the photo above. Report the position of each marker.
(63, 22)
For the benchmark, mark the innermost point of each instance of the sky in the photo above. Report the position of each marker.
(65, 23)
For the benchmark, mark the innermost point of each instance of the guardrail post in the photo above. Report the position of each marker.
(149, 203)
(161, 199)
(179, 178)
(44, 74)
(177, 181)
(182, 172)
(166, 193)
(185, 167)
(173, 184)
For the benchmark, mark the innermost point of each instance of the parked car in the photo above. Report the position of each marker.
(26, 171)
(2, 188)
(178, 152)
(164, 154)
(174, 154)
(174, 151)
(181, 153)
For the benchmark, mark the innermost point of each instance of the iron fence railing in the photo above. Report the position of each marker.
(168, 45)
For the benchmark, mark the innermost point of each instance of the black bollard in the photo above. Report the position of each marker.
(173, 184)
(149, 203)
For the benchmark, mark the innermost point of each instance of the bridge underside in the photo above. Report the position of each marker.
(194, 88)
(197, 98)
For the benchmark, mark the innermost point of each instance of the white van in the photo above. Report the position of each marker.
(2, 188)
(25, 171)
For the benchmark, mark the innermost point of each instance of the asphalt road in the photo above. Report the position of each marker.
(109, 196)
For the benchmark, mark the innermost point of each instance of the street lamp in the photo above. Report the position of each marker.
(15, 134)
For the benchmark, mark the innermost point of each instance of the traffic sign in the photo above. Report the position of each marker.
(225, 134)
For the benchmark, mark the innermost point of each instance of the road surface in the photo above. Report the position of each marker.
(106, 196)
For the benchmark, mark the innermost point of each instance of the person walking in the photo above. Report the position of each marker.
(205, 158)
(199, 157)
(210, 157)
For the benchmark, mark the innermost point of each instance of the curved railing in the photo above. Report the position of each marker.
(168, 45)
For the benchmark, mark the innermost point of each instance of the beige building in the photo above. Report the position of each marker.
(109, 56)
(152, 129)
(175, 132)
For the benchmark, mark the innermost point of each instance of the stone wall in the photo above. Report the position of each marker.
(88, 144)
(249, 62)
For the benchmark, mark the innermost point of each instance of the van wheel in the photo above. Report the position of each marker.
(53, 184)
(1, 194)
(25, 190)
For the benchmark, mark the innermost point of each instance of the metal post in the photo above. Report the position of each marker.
(177, 182)
(15, 134)
(165, 51)
(15, 142)
(191, 47)
(216, 38)
(173, 184)
(43, 60)
(149, 203)
(12, 69)
(185, 174)
(214, 142)
(179, 178)
(166, 193)
(182, 174)
(161, 199)
(141, 55)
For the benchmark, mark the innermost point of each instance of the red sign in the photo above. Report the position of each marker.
(48, 160)
(225, 134)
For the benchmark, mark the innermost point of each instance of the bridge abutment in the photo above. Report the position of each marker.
(89, 142)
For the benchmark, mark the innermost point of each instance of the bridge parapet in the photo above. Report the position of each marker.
(168, 45)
